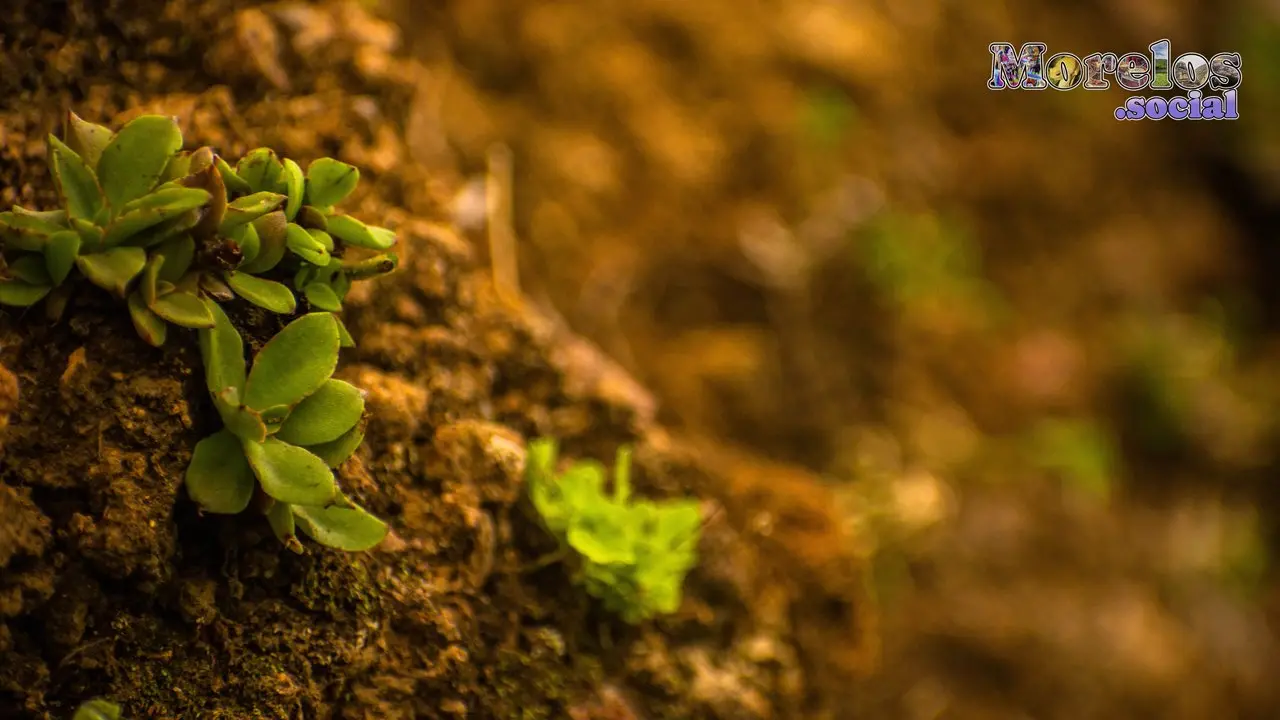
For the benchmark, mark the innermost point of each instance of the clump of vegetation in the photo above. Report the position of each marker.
(164, 229)
(97, 709)
(635, 553)
(287, 423)
(172, 234)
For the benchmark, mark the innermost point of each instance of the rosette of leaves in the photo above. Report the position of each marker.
(165, 229)
(308, 228)
(255, 225)
(635, 553)
(287, 425)
(115, 206)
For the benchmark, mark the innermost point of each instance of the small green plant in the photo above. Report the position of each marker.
(97, 709)
(163, 229)
(287, 423)
(635, 553)
(172, 234)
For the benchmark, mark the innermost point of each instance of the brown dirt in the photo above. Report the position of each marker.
(709, 190)
(111, 585)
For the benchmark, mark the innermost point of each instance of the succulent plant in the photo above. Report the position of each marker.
(163, 229)
(287, 424)
(635, 553)
(172, 234)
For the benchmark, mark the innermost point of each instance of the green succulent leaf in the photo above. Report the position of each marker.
(133, 161)
(306, 273)
(113, 269)
(322, 297)
(230, 178)
(91, 235)
(266, 294)
(336, 452)
(274, 417)
(371, 267)
(342, 528)
(219, 478)
(201, 160)
(280, 517)
(344, 338)
(322, 237)
(240, 420)
(17, 293)
(207, 178)
(60, 254)
(249, 208)
(165, 230)
(222, 352)
(151, 210)
(294, 363)
(57, 217)
(353, 232)
(290, 474)
(185, 309)
(23, 230)
(246, 237)
(30, 269)
(324, 415)
(81, 195)
(179, 167)
(170, 200)
(215, 288)
(305, 246)
(149, 285)
(382, 237)
(271, 229)
(87, 139)
(150, 327)
(329, 182)
(311, 218)
(262, 170)
(296, 184)
(178, 255)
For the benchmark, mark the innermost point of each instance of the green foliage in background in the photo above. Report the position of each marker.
(826, 117)
(635, 553)
(171, 234)
(1079, 451)
(917, 258)
(97, 710)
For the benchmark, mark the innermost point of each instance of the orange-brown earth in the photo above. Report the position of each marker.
(1034, 348)
(112, 585)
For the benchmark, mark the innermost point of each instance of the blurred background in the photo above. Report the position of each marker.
(1033, 349)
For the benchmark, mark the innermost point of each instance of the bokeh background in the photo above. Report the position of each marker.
(1033, 349)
